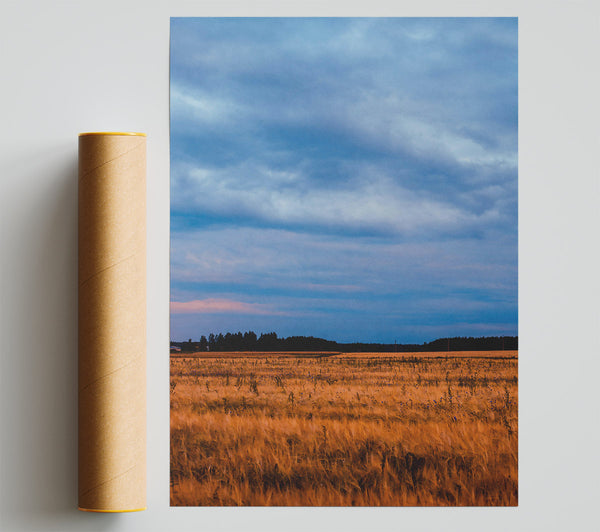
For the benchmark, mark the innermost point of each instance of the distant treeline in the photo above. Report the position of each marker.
(249, 341)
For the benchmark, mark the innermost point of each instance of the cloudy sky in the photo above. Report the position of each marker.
(352, 179)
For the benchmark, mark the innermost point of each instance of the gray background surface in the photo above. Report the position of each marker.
(68, 67)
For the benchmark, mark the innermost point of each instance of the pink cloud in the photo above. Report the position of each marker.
(215, 306)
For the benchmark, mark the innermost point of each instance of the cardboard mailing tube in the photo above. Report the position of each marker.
(112, 322)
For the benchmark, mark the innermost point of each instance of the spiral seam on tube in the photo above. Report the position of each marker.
(107, 481)
(86, 386)
(81, 177)
(95, 274)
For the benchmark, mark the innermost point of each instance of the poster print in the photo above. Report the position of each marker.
(344, 262)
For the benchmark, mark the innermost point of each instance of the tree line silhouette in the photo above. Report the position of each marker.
(250, 341)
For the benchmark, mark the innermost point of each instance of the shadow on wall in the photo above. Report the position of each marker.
(38, 374)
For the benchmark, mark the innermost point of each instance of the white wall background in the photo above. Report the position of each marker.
(68, 67)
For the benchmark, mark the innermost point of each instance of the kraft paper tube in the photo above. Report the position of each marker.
(112, 322)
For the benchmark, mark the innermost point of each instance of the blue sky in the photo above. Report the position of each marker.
(352, 179)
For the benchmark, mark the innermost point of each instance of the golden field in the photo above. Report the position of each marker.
(344, 429)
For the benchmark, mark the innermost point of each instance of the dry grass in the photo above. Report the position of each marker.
(344, 429)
